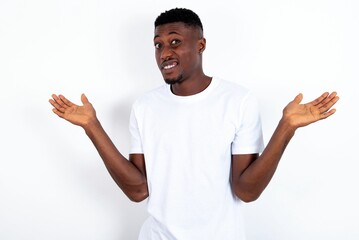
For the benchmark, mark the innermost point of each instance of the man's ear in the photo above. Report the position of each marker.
(201, 45)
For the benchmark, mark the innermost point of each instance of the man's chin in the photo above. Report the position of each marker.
(172, 81)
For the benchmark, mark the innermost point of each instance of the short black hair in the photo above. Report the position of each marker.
(186, 16)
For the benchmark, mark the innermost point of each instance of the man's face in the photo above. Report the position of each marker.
(178, 51)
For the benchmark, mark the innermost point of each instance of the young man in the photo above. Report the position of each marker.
(195, 141)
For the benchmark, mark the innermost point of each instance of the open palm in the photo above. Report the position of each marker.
(300, 115)
(78, 115)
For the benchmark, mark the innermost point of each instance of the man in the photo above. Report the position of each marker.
(195, 142)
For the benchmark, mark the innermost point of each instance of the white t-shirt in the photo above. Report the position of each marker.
(187, 142)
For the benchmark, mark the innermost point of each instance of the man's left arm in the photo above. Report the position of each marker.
(251, 173)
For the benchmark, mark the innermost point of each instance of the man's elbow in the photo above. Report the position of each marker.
(138, 197)
(246, 196)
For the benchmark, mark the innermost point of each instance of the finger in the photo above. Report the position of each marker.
(59, 101)
(327, 99)
(84, 99)
(318, 100)
(298, 98)
(58, 113)
(66, 101)
(328, 104)
(58, 107)
(55, 102)
(327, 114)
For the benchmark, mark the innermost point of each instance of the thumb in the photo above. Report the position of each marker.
(298, 98)
(84, 99)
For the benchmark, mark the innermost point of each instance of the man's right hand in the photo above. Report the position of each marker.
(78, 115)
(130, 175)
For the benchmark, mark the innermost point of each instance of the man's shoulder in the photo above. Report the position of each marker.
(151, 95)
(159, 90)
(232, 88)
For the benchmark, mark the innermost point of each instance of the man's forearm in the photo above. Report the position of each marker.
(256, 177)
(127, 176)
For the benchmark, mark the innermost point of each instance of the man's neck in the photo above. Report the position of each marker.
(191, 86)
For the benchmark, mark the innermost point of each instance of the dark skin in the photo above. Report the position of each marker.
(180, 48)
(178, 54)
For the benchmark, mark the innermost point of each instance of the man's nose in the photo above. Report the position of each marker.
(166, 53)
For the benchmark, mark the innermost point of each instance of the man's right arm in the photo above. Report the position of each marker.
(130, 176)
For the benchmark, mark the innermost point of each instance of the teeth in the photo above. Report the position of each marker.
(169, 66)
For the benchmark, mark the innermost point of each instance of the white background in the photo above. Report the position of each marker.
(53, 185)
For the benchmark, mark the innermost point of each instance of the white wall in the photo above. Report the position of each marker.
(53, 185)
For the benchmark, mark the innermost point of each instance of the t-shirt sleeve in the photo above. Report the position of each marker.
(248, 138)
(136, 143)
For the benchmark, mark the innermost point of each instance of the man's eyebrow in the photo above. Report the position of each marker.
(170, 33)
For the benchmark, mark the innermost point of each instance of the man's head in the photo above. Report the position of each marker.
(183, 15)
(179, 44)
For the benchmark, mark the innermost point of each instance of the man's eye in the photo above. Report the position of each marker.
(158, 45)
(175, 41)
